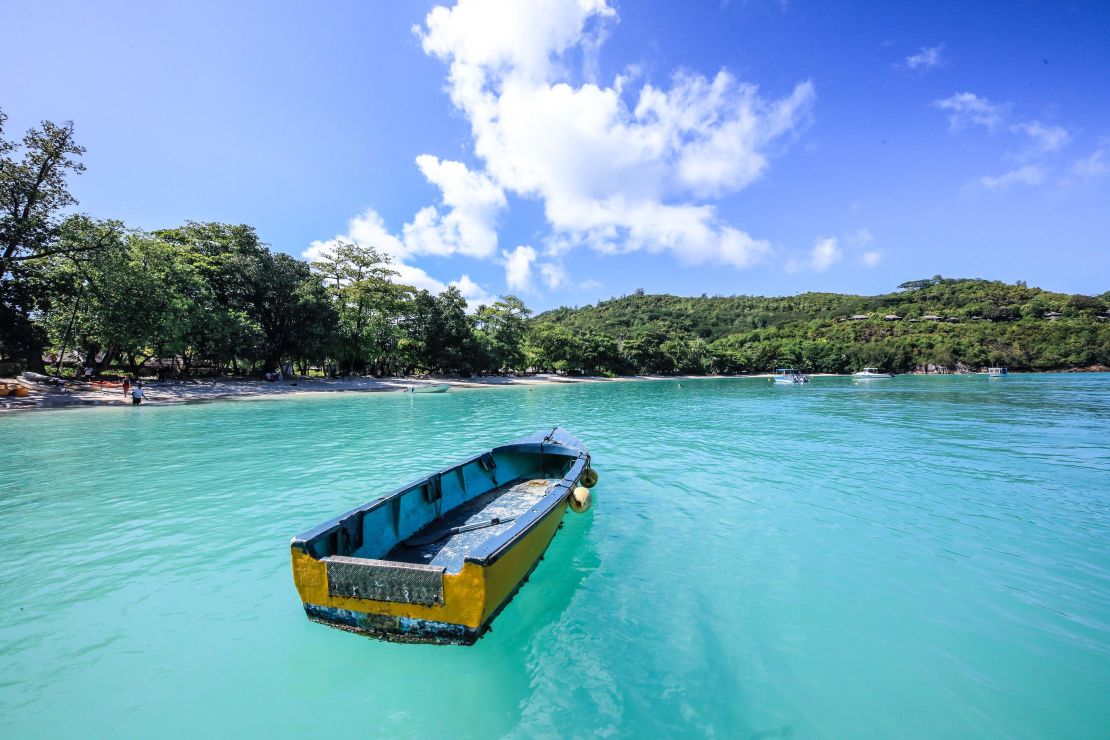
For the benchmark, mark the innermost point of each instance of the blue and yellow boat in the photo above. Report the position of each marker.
(438, 559)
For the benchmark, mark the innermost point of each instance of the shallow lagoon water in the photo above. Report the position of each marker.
(919, 557)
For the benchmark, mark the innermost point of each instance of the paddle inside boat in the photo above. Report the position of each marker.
(437, 560)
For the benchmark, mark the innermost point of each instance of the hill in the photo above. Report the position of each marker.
(939, 321)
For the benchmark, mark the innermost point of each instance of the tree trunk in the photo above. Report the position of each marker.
(33, 360)
(91, 352)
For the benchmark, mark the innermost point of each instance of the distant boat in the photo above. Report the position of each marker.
(440, 388)
(789, 376)
(996, 372)
(871, 373)
(438, 559)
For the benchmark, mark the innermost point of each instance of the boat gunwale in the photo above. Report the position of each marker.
(490, 551)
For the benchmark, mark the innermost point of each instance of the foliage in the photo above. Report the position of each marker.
(33, 193)
(980, 323)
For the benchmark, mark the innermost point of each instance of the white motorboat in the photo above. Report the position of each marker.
(789, 376)
(996, 372)
(871, 373)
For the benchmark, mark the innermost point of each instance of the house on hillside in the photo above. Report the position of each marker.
(892, 317)
(1052, 315)
(930, 317)
(859, 317)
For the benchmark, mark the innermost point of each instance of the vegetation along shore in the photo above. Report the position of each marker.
(212, 300)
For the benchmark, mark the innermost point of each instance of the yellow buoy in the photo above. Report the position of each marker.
(589, 478)
(580, 500)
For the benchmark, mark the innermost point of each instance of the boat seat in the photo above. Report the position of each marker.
(505, 503)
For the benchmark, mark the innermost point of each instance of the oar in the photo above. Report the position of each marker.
(437, 536)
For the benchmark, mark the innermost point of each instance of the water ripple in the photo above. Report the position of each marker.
(920, 557)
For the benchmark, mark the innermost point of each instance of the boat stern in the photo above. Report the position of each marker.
(403, 602)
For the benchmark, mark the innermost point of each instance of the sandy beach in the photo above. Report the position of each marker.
(79, 394)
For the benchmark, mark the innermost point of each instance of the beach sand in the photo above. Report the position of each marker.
(161, 393)
(169, 392)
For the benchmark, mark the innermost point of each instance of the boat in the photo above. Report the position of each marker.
(435, 561)
(996, 372)
(439, 388)
(870, 373)
(41, 379)
(789, 376)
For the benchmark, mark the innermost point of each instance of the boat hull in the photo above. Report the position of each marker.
(472, 598)
(442, 388)
(368, 571)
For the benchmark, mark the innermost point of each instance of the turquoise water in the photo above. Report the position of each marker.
(922, 557)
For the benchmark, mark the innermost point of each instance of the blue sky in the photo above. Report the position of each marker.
(577, 150)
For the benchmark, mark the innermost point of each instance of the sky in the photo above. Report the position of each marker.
(569, 151)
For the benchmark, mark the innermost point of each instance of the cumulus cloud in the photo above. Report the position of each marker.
(369, 229)
(617, 170)
(870, 258)
(554, 275)
(1045, 139)
(1027, 175)
(929, 57)
(518, 268)
(469, 225)
(824, 254)
(966, 108)
(618, 167)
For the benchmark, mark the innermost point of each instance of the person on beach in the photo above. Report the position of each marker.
(126, 387)
(137, 394)
(88, 373)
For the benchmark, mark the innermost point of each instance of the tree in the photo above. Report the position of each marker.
(33, 193)
(500, 334)
(366, 303)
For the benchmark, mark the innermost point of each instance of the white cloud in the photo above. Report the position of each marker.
(368, 229)
(1094, 166)
(824, 254)
(968, 108)
(469, 226)
(1045, 139)
(1027, 175)
(859, 238)
(928, 58)
(518, 268)
(474, 294)
(615, 177)
(554, 275)
(617, 168)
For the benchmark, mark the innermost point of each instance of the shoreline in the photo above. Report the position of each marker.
(109, 394)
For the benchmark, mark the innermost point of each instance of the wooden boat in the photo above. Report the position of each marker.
(440, 388)
(436, 560)
(41, 379)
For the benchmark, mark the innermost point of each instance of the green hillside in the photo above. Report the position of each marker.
(978, 323)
